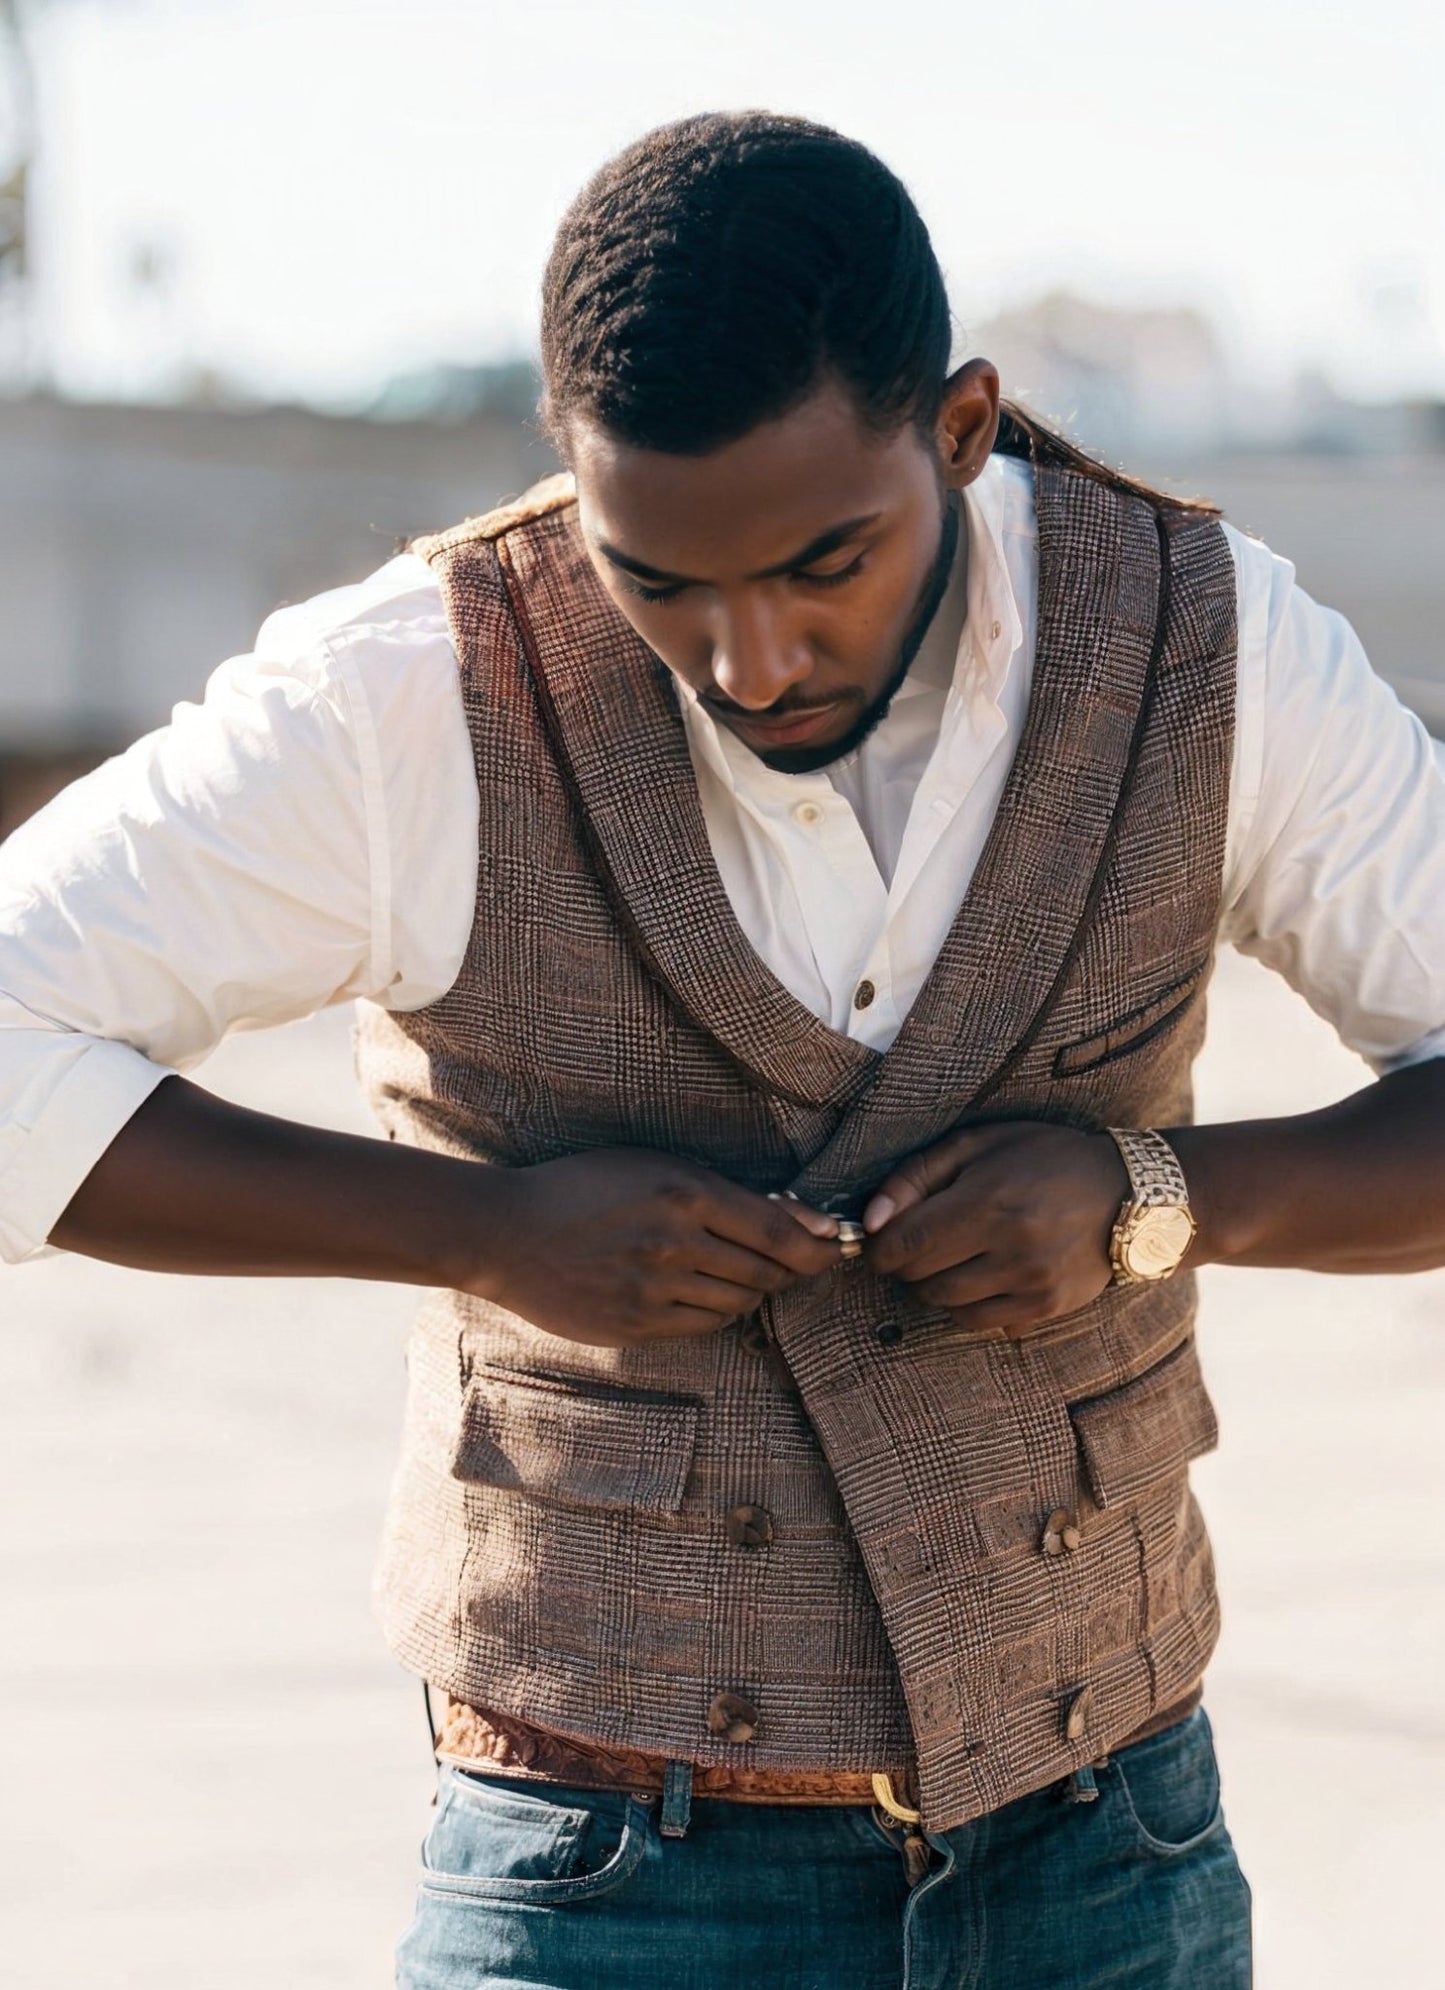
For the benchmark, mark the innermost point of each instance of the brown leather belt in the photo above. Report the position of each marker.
(504, 1745)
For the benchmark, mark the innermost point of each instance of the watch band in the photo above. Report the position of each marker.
(1155, 1175)
(1155, 1225)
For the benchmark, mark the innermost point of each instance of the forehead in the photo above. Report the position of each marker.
(753, 502)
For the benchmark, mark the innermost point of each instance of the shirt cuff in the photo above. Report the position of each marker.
(44, 1162)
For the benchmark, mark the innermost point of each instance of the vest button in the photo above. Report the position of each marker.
(888, 1332)
(731, 1718)
(1061, 1533)
(863, 994)
(750, 1527)
(1076, 1720)
(754, 1335)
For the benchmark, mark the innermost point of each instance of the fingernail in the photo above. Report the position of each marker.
(878, 1212)
(850, 1239)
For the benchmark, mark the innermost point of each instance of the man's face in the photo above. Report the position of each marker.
(786, 576)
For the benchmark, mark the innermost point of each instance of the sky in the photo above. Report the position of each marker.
(323, 194)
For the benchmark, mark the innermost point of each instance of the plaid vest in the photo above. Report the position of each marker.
(564, 1538)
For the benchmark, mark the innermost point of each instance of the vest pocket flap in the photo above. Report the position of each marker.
(587, 1445)
(1133, 1031)
(1147, 1430)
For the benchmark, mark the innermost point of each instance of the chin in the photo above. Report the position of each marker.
(812, 759)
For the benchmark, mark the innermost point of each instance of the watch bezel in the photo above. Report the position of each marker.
(1135, 1221)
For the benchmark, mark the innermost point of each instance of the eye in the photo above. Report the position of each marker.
(833, 580)
(645, 593)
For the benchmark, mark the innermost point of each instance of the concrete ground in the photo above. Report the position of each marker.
(213, 1778)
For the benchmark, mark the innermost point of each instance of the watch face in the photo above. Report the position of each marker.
(1158, 1239)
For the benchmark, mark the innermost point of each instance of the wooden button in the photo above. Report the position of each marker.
(1076, 1721)
(863, 994)
(750, 1527)
(731, 1718)
(1061, 1533)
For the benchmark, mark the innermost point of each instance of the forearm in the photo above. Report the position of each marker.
(193, 1184)
(1358, 1187)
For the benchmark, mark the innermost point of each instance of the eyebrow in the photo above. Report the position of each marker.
(816, 549)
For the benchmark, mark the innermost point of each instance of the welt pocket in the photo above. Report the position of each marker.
(564, 1438)
(1133, 1031)
(1148, 1429)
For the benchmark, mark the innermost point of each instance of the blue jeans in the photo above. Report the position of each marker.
(559, 1889)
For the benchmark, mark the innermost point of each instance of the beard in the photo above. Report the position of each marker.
(812, 759)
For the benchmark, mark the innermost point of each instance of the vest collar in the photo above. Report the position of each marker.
(613, 718)
(615, 723)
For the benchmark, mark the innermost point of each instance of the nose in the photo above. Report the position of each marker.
(755, 658)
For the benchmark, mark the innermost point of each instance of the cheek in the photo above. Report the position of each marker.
(865, 624)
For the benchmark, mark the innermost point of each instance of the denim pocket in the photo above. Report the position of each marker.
(1169, 1788)
(494, 1840)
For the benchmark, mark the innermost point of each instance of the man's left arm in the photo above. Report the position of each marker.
(1008, 1226)
(1336, 879)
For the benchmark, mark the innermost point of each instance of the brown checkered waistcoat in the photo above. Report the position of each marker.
(559, 1542)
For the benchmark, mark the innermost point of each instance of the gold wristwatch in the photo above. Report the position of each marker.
(1155, 1226)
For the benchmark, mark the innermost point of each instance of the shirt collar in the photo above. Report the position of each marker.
(994, 628)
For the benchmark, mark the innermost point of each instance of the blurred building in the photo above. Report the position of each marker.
(1126, 382)
(139, 546)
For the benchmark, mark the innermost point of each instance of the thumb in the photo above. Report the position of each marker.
(915, 1179)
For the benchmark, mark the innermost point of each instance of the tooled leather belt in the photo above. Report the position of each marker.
(505, 1745)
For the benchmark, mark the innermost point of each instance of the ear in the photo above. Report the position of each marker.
(967, 421)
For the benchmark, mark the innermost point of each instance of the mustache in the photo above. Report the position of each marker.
(786, 708)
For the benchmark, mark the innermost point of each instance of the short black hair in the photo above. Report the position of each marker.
(720, 269)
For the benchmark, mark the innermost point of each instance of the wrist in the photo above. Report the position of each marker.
(1222, 1232)
(467, 1229)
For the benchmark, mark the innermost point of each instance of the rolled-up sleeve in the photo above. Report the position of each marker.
(236, 869)
(214, 877)
(1336, 871)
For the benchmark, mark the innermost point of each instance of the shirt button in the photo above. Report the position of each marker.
(808, 814)
(731, 1718)
(863, 994)
(1076, 1721)
(1061, 1533)
(750, 1527)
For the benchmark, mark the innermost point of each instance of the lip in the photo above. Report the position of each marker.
(786, 732)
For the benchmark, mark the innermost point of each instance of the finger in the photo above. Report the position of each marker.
(982, 1277)
(717, 1295)
(1011, 1314)
(719, 1258)
(941, 1232)
(815, 1221)
(923, 1174)
(688, 1322)
(740, 1217)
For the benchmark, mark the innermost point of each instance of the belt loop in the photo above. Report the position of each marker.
(1083, 1785)
(676, 1800)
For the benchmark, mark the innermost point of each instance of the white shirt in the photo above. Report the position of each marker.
(308, 835)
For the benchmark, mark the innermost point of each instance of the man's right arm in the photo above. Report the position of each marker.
(608, 1248)
(251, 862)
(269, 853)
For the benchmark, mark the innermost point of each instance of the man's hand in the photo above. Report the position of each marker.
(620, 1247)
(1007, 1226)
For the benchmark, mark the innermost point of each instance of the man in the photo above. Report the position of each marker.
(837, 793)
